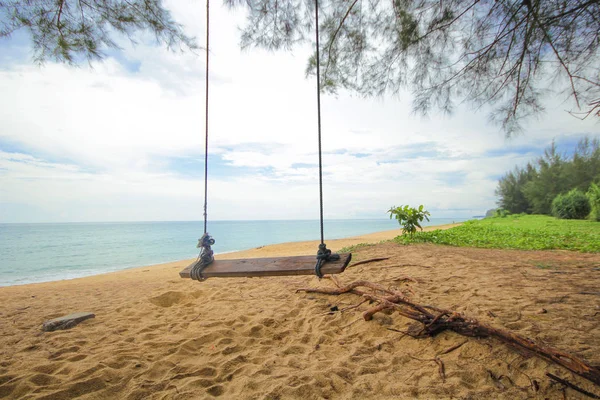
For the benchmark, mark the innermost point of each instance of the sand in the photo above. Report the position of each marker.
(156, 336)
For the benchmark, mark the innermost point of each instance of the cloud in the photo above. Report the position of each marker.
(124, 140)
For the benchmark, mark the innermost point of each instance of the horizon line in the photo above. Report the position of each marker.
(218, 220)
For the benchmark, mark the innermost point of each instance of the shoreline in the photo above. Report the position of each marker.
(271, 250)
(309, 247)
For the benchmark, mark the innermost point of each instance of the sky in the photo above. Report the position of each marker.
(123, 139)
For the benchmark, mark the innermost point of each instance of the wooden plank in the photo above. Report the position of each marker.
(275, 266)
(66, 322)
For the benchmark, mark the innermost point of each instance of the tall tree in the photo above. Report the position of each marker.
(510, 189)
(585, 164)
(548, 183)
(533, 188)
(74, 30)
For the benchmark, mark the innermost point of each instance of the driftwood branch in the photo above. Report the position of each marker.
(354, 306)
(572, 386)
(435, 320)
(371, 260)
(451, 349)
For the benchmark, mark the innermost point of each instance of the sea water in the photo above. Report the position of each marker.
(46, 252)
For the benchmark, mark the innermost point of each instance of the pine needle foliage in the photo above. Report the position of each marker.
(504, 54)
(70, 31)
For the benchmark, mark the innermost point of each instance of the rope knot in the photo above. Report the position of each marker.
(205, 241)
(205, 257)
(324, 255)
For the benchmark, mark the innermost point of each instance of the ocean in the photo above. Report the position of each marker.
(32, 253)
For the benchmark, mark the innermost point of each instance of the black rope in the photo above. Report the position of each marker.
(206, 255)
(206, 120)
(323, 254)
(319, 117)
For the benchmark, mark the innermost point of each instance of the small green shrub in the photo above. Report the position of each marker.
(593, 195)
(571, 205)
(409, 218)
(501, 213)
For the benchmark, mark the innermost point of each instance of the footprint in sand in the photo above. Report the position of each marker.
(76, 358)
(224, 341)
(231, 350)
(6, 378)
(43, 380)
(255, 331)
(216, 390)
(6, 390)
(47, 368)
(168, 299)
(72, 349)
(84, 387)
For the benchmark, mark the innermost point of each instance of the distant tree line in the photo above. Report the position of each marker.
(533, 188)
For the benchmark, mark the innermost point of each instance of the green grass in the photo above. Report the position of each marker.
(352, 249)
(524, 232)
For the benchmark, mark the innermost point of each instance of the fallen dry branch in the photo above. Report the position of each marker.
(435, 320)
(497, 380)
(371, 260)
(441, 368)
(572, 386)
(354, 306)
(437, 360)
(406, 265)
(451, 349)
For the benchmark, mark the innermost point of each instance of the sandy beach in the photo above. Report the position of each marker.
(157, 336)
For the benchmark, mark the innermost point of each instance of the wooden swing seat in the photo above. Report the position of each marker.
(274, 266)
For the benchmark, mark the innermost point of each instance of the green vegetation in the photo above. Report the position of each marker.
(533, 189)
(500, 213)
(593, 195)
(524, 232)
(571, 205)
(352, 249)
(73, 32)
(409, 218)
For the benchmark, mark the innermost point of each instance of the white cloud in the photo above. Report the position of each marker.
(110, 143)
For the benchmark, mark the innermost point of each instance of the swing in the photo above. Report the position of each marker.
(325, 262)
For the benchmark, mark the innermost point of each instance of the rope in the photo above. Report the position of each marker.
(319, 117)
(206, 255)
(206, 120)
(323, 254)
